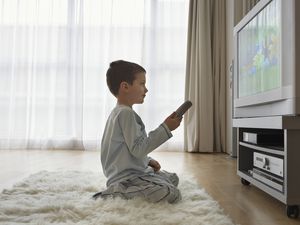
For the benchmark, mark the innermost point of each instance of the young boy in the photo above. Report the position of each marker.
(125, 144)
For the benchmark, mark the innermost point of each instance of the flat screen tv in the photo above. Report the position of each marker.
(267, 60)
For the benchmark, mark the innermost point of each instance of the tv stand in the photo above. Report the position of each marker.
(269, 157)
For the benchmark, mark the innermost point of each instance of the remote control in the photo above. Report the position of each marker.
(183, 108)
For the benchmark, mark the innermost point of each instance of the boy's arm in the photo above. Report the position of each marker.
(138, 143)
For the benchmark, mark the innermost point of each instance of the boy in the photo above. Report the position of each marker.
(125, 144)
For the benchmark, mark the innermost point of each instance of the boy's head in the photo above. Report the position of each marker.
(121, 71)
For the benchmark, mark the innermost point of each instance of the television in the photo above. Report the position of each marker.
(267, 60)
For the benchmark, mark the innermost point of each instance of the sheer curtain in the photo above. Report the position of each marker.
(53, 59)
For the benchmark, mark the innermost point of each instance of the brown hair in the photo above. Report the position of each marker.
(120, 71)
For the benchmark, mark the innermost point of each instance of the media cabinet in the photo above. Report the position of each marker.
(268, 157)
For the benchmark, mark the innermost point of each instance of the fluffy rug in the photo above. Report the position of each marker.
(65, 198)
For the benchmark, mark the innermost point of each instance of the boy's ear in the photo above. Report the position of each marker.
(124, 85)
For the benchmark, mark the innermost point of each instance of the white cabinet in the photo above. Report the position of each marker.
(269, 157)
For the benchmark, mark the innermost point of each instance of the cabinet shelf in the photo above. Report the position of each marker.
(266, 188)
(270, 149)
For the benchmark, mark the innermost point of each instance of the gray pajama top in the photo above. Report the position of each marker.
(125, 145)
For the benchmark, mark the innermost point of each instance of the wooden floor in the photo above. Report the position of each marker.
(246, 205)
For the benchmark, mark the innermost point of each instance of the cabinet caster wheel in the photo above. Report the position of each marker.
(292, 211)
(245, 182)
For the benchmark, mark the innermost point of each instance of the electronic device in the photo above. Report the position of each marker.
(268, 169)
(268, 179)
(183, 108)
(267, 60)
(263, 138)
(268, 163)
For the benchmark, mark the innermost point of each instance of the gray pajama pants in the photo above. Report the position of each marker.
(160, 186)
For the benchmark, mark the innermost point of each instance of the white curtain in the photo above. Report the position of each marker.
(54, 56)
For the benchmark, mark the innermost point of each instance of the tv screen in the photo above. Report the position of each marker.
(259, 52)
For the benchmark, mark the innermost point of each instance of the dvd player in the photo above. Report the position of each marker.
(263, 138)
(268, 179)
(268, 163)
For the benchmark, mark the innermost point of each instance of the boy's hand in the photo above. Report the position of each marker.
(154, 164)
(173, 121)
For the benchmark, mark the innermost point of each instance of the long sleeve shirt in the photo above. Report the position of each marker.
(125, 145)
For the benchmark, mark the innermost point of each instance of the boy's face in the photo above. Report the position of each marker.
(137, 91)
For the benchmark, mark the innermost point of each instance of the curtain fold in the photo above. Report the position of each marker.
(205, 123)
(219, 69)
(54, 56)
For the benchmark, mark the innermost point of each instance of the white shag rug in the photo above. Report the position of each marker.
(65, 198)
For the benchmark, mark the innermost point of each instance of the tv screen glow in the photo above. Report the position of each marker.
(259, 52)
